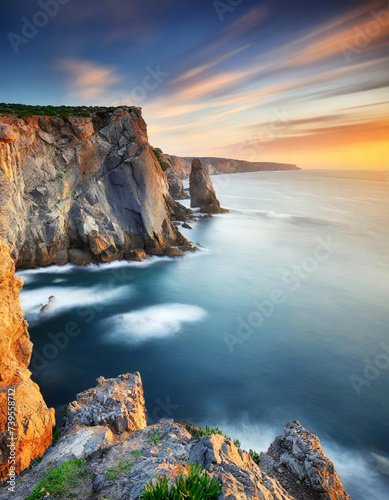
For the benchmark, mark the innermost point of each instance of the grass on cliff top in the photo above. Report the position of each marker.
(60, 482)
(197, 486)
(25, 110)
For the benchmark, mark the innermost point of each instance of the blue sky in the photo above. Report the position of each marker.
(303, 81)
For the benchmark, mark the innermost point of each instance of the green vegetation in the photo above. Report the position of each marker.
(65, 411)
(24, 110)
(56, 435)
(113, 473)
(60, 482)
(198, 432)
(137, 453)
(164, 165)
(197, 486)
(255, 456)
(155, 438)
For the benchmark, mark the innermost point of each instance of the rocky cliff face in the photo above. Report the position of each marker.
(106, 429)
(82, 189)
(216, 166)
(32, 421)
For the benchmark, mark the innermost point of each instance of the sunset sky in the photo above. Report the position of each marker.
(303, 82)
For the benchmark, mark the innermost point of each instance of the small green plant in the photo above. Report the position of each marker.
(237, 443)
(164, 165)
(56, 435)
(155, 439)
(36, 461)
(198, 432)
(255, 456)
(113, 473)
(60, 482)
(197, 486)
(58, 201)
(137, 453)
(65, 411)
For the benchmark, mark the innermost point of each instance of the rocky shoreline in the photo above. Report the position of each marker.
(106, 431)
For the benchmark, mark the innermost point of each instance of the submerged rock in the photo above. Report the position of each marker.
(202, 194)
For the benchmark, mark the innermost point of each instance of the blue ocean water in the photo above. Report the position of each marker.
(282, 314)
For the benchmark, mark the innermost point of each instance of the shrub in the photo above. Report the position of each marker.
(164, 165)
(197, 486)
(198, 432)
(155, 438)
(255, 456)
(59, 482)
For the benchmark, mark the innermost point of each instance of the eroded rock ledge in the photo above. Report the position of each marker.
(83, 189)
(34, 421)
(107, 427)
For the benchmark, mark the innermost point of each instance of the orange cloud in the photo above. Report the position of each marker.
(88, 79)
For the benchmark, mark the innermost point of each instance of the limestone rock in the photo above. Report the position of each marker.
(118, 403)
(202, 194)
(82, 189)
(302, 458)
(34, 421)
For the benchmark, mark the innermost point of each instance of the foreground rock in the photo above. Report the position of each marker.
(298, 461)
(106, 427)
(83, 189)
(34, 421)
(202, 194)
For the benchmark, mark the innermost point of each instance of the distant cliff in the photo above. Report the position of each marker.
(83, 189)
(216, 166)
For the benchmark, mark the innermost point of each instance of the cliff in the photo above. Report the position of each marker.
(216, 166)
(32, 421)
(83, 189)
(112, 453)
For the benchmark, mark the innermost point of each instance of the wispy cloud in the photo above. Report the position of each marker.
(87, 79)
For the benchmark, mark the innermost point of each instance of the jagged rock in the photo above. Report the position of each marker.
(202, 194)
(301, 456)
(117, 402)
(119, 465)
(241, 478)
(34, 421)
(82, 189)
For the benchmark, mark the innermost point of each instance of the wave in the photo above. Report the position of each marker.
(151, 322)
(66, 298)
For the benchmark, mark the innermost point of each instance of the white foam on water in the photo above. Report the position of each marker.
(151, 322)
(65, 298)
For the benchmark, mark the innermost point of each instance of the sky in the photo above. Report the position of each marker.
(303, 82)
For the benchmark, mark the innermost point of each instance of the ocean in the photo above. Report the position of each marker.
(281, 315)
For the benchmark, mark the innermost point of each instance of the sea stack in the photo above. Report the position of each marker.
(202, 194)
